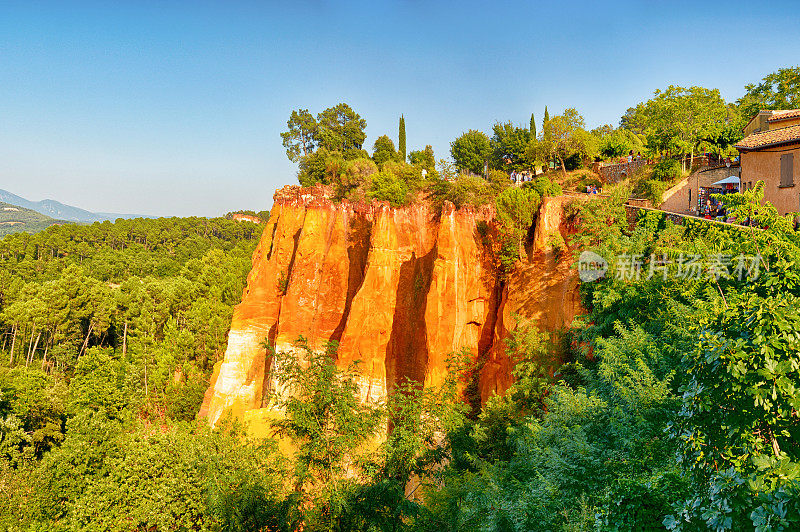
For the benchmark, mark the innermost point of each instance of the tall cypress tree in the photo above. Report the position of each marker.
(401, 142)
(533, 127)
(545, 129)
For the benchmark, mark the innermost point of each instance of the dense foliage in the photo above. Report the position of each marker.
(471, 151)
(777, 90)
(109, 333)
(678, 121)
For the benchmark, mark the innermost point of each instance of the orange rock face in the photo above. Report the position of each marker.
(398, 288)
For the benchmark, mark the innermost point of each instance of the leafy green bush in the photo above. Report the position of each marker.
(355, 179)
(587, 179)
(388, 187)
(312, 168)
(653, 190)
(544, 186)
(107, 476)
(465, 189)
(667, 170)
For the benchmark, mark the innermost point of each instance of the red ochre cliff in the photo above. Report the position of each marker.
(398, 288)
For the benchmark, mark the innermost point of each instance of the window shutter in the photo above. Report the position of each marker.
(787, 169)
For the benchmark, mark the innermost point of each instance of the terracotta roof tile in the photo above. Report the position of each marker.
(783, 115)
(772, 137)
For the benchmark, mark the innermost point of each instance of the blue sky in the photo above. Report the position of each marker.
(177, 110)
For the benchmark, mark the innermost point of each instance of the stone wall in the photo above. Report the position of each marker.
(614, 173)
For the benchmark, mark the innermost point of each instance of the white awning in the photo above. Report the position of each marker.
(731, 180)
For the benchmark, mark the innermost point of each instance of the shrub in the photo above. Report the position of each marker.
(499, 179)
(667, 170)
(654, 190)
(313, 167)
(588, 179)
(508, 255)
(463, 190)
(412, 175)
(282, 284)
(388, 187)
(544, 186)
(355, 179)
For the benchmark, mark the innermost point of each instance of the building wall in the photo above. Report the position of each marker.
(758, 123)
(765, 165)
(676, 199)
(761, 123)
(682, 198)
(785, 123)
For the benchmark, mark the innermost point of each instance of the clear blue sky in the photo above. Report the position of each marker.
(135, 107)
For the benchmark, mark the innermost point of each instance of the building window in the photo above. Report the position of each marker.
(787, 170)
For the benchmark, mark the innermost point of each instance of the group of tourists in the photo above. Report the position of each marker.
(717, 211)
(631, 156)
(592, 189)
(521, 177)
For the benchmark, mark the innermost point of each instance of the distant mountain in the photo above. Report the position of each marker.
(58, 210)
(15, 219)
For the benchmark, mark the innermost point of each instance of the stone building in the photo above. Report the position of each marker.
(686, 196)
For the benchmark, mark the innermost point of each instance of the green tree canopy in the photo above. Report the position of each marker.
(677, 119)
(618, 142)
(300, 139)
(516, 209)
(401, 139)
(563, 136)
(423, 158)
(509, 144)
(383, 150)
(778, 90)
(340, 128)
(471, 150)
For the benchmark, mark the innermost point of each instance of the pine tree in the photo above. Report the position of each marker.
(546, 116)
(401, 142)
(533, 126)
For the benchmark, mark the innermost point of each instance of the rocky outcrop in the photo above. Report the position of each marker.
(398, 288)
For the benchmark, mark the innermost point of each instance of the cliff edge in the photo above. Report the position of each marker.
(398, 288)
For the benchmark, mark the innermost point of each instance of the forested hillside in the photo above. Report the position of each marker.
(107, 329)
(15, 219)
